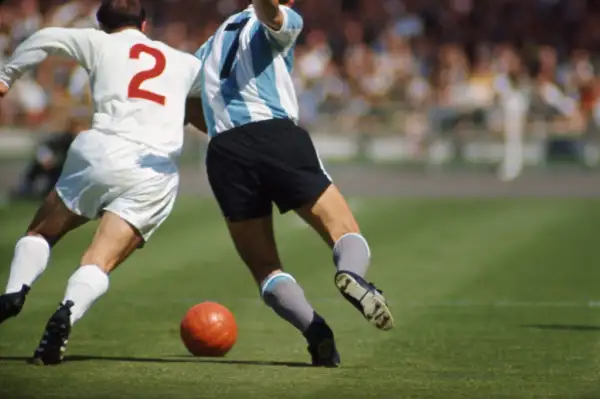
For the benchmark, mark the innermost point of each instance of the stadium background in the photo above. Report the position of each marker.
(494, 296)
(390, 81)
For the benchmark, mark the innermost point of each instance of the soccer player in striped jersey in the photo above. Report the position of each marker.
(258, 156)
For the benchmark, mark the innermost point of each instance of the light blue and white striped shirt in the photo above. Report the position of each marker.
(246, 71)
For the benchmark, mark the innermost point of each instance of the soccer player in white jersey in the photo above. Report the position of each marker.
(123, 171)
(258, 156)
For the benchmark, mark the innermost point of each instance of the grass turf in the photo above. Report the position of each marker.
(492, 299)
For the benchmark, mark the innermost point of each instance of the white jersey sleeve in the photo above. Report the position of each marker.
(285, 38)
(74, 43)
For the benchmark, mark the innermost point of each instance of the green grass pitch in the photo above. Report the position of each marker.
(492, 299)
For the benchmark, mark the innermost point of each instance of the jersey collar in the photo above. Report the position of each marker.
(132, 31)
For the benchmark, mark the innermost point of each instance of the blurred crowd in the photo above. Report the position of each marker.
(368, 64)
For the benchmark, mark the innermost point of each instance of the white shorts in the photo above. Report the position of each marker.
(104, 172)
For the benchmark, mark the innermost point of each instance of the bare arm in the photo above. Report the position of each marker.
(282, 24)
(268, 13)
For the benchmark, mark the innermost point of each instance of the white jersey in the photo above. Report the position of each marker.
(246, 72)
(139, 86)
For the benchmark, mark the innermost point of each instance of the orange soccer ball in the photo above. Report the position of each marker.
(208, 329)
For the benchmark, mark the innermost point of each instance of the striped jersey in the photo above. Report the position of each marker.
(246, 71)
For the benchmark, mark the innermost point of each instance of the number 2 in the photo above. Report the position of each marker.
(235, 45)
(134, 90)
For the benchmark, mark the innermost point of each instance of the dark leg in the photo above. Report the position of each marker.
(255, 243)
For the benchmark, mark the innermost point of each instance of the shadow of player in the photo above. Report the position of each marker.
(84, 358)
(562, 327)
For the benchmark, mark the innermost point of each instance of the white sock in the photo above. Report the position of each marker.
(85, 286)
(29, 262)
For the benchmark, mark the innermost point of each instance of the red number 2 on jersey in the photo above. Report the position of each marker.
(134, 90)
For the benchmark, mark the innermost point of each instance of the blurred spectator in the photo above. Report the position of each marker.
(365, 63)
(28, 20)
(44, 169)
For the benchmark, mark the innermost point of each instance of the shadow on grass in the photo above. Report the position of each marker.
(85, 358)
(563, 327)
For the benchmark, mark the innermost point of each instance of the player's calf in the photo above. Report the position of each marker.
(283, 294)
(332, 218)
(114, 241)
(32, 252)
(53, 220)
(254, 240)
(30, 260)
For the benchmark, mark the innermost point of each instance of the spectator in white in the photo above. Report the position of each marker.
(316, 57)
(397, 57)
(78, 13)
(513, 91)
(376, 79)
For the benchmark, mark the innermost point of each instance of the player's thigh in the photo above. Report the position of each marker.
(330, 215)
(129, 221)
(298, 181)
(254, 240)
(79, 185)
(76, 197)
(234, 178)
(54, 219)
(291, 168)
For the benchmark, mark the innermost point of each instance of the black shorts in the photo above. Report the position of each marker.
(253, 166)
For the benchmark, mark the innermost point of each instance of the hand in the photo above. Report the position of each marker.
(3, 89)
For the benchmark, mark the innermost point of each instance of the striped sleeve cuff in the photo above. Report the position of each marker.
(291, 28)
